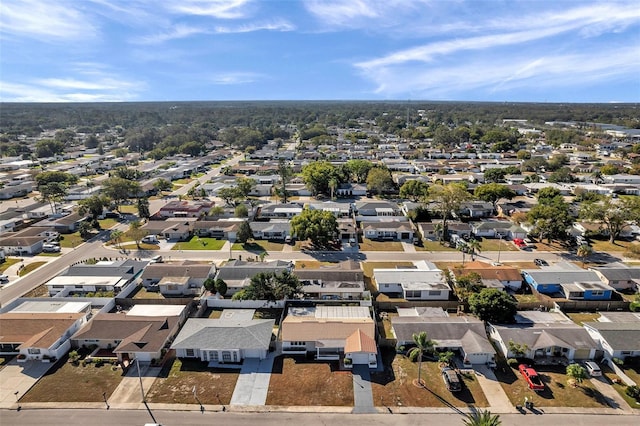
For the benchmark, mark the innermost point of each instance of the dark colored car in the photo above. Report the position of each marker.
(541, 262)
(451, 380)
(532, 378)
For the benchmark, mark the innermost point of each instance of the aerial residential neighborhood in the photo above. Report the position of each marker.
(346, 267)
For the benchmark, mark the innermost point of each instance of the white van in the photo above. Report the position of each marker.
(593, 369)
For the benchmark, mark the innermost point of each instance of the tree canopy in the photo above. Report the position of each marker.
(615, 215)
(493, 192)
(414, 190)
(317, 175)
(447, 199)
(270, 286)
(379, 180)
(493, 305)
(316, 225)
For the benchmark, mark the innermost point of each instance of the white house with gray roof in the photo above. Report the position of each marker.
(229, 339)
(617, 333)
(424, 281)
(237, 274)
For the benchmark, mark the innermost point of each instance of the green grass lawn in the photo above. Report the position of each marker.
(606, 246)
(583, 317)
(433, 246)
(492, 244)
(30, 267)
(128, 208)
(8, 262)
(143, 246)
(50, 254)
(200, 243)
(71, 240)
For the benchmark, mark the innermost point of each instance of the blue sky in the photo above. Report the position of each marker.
(170, 50)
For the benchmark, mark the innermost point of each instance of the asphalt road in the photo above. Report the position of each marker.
(171, 418)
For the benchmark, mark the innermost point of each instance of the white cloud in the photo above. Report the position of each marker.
(221, 9)
(45, 20)
(248, 28)
(499, 74)
(177, 32)
(92, 82)
(229, 78)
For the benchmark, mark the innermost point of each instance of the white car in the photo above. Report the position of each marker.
(4, 278)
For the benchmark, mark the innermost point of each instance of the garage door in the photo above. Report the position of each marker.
(581, 354)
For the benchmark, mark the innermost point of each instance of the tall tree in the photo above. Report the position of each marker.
(551, 218)
(379, 180)
(285, 173)
(316, 225)
(116, 237)
(119, 189)
(422, 346)
(414, 190)
(358, 169)
(493, 305)
(94, 205)
(229, 194)
(474, 246)
(317, 175)
(143, 208)
(616, 215)
(493, 192)
(244, 186)
(447, 199)
(136, 232)
(244, 232)
(53, 186)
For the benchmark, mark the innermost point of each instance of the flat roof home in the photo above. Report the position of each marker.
(422, 282)
(103, 276)
(568, 280)
(330, 332)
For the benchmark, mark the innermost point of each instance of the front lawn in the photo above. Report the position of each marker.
(493, 244)
(301, 382)
(607, 247)
(619, 386)
(557, 392)
(71, 240)
(68, 383)
(259, 246)
(370, 245)
(30, 267)
(433, 246)
(395, 386)
(107, 223)
(8, 262)
(178, 377)
(200, 243)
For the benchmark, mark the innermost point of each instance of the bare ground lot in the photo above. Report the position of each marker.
(297, 382)
(395, 386)
(175, 383)
(69, 383)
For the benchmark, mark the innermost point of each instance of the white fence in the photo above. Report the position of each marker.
(212, 302)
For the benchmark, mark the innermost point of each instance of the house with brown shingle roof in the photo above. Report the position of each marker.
(506, 276)
(129, 336)
(325, 330)
(38, 335)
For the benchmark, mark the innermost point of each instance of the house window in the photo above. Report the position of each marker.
(435, 292)
(413, 293)
(386, 285)
(33, 351)
(296, 343)
(213, 355)
(597, 293)
(190, 353)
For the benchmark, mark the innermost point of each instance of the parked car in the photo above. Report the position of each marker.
(4, 279)
(532, 378)
(593, 369)
(352, 242)
(50, 248)
(451, 380)
(156, 259)
(150, 239)
(540, 262)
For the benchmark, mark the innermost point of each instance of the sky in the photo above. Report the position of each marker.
(451, 50)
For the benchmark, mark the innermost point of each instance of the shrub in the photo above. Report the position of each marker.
(633, 392)
(513, 363)
(98, 362)
(618, 362)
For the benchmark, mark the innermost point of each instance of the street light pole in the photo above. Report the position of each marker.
(499, 246)
(140, 378)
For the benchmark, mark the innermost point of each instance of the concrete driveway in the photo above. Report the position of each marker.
(128, 391)
(19, 377)
(253, 383)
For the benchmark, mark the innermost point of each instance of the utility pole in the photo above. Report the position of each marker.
(140, 378)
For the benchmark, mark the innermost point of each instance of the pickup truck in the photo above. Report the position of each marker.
(532, 378)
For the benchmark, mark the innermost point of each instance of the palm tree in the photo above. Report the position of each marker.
(596, 177)
(474, 247)
(423, 346)
(437, 228)
(482, 418)
(116, 237)
(333, 185)
(584, 251)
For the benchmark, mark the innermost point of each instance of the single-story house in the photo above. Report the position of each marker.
(130, 337)
(219, 229)
(326, 331)
(508, 276)
(231, 338)
(567, 279)
(40, 330)
(177, 231)
(388, 230)
(279, 211)
(351, 190)
(495, 228)
(237, 274)
(182, 208)
(271, 230)
(461, 333)
(104, 276)
(338, 209)
(342, 281)
(617, 333)
(347, 229)
(422, 282)
(21, 245)
(428, 230)
(184, 278)
(619, 276)
(65, 224)
(377, 208)
(476, 209)
(545, 335)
